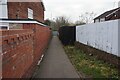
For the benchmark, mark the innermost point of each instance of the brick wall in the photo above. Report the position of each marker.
(22, 49)
(20, 9)
(17, 51)
(42, 36)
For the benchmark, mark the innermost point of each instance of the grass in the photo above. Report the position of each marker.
(89, 65)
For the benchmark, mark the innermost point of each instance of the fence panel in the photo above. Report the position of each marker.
(103, 36)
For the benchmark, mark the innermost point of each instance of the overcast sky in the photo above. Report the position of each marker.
(74, 8)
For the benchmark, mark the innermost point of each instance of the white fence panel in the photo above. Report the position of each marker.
(3, 9)
(103, 36)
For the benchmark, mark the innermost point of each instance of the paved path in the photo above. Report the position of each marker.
(55, 63)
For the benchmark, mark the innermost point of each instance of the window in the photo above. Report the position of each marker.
(30, 13)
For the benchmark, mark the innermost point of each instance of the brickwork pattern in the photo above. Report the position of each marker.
(22, 49)
(42, 35)
(20, 10)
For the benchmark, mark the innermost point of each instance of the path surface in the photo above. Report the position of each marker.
(55, 63)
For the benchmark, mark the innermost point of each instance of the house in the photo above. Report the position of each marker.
(24, 10)
(108, 15)
(21, 10)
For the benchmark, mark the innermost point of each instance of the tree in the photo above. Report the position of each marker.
(87, 17)
(79, 23)
(62, 21)
(48, 22)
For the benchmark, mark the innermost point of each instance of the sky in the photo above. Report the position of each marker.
(74, 8)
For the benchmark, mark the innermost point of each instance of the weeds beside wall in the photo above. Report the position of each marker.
(100, 39)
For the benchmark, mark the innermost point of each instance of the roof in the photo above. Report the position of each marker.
(108, 13)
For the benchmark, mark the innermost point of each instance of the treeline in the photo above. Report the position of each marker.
(65, 21)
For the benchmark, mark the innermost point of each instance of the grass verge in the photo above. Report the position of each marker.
(89, 65)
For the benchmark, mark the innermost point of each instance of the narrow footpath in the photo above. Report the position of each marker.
(55, 63)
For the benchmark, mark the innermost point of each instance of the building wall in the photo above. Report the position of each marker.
(20, 10)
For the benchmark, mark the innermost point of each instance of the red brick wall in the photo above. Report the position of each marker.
(17, 50)
(22, 49)
(21, 9)
(41, 37)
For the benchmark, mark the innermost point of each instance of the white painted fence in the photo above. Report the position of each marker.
(103, 36)
(3, 9)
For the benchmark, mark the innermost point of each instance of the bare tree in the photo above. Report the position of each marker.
(79, 23)
(62, 21)
(65, 21)
(87, 17)
(48, 22)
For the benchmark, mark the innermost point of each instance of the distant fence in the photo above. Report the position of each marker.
(67, 34)
(102, 36)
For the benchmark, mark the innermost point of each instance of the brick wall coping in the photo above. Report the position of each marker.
(23, 21)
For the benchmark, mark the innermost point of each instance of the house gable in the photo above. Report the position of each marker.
(109, 15)
(19, 10)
